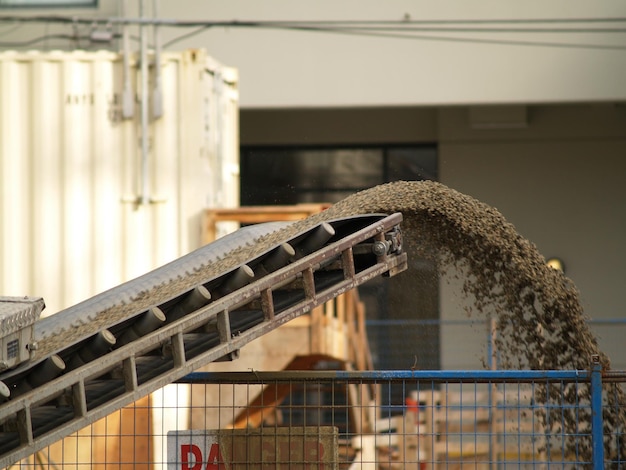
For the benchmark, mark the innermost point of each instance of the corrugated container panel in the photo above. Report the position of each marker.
(71, 168)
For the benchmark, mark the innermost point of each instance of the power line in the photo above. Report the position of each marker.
(461, 39)
(318, 23)
(457, 29)
(185, 36)
(401, 29)
(8, 31)
(401, 33)
(48, 37)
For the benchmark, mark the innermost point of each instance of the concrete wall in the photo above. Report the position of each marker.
(287, 68)
(562, 188)
(560, 182)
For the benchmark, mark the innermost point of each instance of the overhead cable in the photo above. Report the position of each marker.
(422, 30)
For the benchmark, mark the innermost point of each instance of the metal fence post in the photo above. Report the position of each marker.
(597, 426)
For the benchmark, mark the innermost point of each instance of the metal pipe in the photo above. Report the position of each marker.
(196, 299)
(148, 322)
(242, 276)
(98, 345)
(123, 20)
(144, 197)
(597, 423)
(396, 376)
(218, 89)
(5, 392)
(278, 258)
(128, 99)
(157, 94)
(316, 239)
(42, 373)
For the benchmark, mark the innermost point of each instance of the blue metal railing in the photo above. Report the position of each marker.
(597, 427)
(580, 395)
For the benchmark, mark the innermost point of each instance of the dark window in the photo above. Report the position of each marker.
(291, 175)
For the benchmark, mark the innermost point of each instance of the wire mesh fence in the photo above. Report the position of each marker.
(341, 419)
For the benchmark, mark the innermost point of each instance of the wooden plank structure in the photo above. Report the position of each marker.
(255, 215)
(333, 332)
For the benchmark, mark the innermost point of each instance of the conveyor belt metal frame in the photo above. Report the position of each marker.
(172, 335)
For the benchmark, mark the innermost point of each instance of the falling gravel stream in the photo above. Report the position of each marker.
(540, 321)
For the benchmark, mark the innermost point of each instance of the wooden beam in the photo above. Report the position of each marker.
(255, 215)
(274, 393)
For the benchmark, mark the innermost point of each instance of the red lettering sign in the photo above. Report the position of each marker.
(185, 451)
(213, 462)
(294, 448)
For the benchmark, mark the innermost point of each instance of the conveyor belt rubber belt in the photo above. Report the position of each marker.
(201, 308)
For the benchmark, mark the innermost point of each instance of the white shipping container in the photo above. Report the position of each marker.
(72, 219)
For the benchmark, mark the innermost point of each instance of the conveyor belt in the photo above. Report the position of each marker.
(201, 308)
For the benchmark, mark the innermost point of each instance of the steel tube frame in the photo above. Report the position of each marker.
(127, 357)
